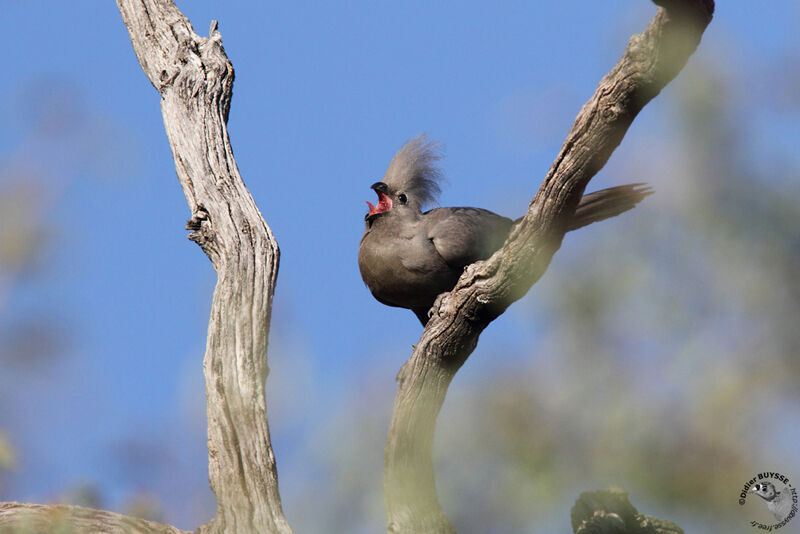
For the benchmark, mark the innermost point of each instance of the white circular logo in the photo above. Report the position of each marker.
(771, 495)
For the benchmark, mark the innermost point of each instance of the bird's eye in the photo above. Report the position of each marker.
(402, 198)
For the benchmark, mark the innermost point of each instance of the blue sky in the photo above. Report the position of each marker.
(324, 96)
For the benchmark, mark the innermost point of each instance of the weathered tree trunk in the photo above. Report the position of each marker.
(195, 80)
(487, 288)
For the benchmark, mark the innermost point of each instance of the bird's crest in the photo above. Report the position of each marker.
(413, 170)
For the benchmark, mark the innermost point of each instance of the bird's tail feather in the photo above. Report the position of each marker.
(607, 203)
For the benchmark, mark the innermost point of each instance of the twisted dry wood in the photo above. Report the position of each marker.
(195, 80)
(487, 288)
(19, 518)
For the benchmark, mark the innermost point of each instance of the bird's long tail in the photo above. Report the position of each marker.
(607, 203)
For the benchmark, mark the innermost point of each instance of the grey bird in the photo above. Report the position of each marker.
(778, 502)
(408, 257)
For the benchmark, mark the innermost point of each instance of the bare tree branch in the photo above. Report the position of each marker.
(195, 80)
(487, 288)
(33, 518)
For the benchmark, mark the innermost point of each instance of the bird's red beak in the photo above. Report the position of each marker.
(384, 204)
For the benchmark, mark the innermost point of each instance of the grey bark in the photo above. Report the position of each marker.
(195, 80)
(20, 518)
(487, 288)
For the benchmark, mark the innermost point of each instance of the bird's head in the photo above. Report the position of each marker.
(765, 490)
(410, 182)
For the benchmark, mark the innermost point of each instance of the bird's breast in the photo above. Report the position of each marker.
(403, 271)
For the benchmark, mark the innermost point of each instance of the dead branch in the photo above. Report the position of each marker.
(19, 518)
(487, 288)
(195, 80)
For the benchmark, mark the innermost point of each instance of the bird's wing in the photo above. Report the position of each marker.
(465, 235)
